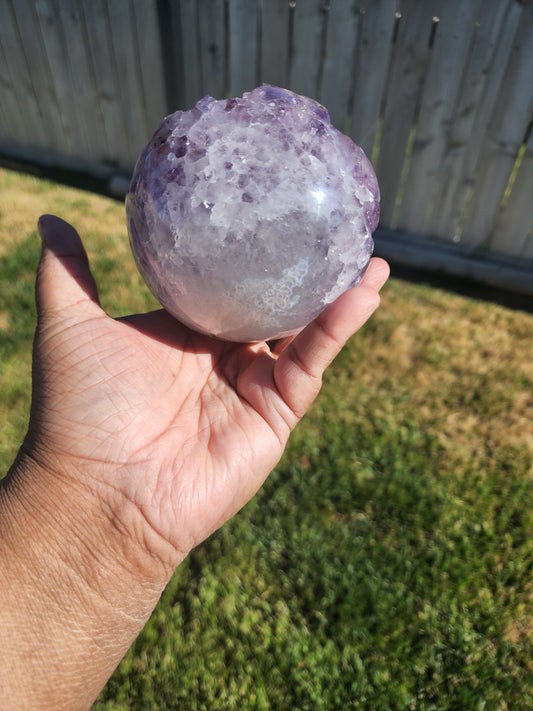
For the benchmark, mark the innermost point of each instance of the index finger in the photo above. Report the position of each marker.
(300, 366)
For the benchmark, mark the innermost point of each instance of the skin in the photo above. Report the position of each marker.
(144, 438)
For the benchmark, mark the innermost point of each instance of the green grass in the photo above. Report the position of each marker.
(388, 561)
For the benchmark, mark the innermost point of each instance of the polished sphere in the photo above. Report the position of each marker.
(248, 216)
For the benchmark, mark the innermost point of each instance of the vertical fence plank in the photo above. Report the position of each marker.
(19, 122)
(515, 220)
(527, 249)
(203, 44)
(527, 252)
(102, 58)
(409, 61)
(212, 40)
(309, 23)
(370, 72)
(275, 42)
(482, 76)
(29, 65)
(506, 131)
(76, 132)
(190, 46)
(341, 38)
(453, 38)
(150, 59)
(130, 87)
(12, 116)
(68, 39)
(242, 46)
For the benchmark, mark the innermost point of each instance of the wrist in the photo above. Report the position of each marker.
(91, 528)
(77, 585)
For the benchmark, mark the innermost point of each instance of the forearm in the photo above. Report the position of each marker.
(74, 592)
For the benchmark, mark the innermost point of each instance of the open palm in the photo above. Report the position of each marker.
(174, 430)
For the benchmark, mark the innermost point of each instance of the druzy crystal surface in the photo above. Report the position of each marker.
(248, 216)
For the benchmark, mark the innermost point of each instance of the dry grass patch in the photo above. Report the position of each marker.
(463, 366)
(26, 197)
(387, 561)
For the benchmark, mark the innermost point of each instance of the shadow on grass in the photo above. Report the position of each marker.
(463, 287)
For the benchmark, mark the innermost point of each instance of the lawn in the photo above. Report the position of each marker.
(388, 561)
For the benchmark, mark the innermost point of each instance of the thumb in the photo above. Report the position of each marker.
(64, 279)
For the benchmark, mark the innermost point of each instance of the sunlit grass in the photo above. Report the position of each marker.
(387, 563)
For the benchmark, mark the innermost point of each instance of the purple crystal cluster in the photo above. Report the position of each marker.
(248, 216)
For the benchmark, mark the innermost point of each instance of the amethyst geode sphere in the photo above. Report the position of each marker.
(248, 216)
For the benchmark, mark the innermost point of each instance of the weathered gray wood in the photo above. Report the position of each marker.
(515, 220)
(129, 76)
(409, 61)
(275, 42)
(370, 71)
(243, 53)
(83, 85)
(192, 79)
(56, 56)
(511, 116)
(456, 260)
(204, 47)
(305, 67)
(116, 128)
(28, 66)
(527, 250)
(150, 60)
(493, 39)
(341, 38)
(448, 55)
(212, 44)
(64, 25)
(13, 113)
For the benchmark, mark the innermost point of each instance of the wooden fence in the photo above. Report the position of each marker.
(438, 92)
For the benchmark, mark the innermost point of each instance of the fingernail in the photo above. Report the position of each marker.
(43, 227)
(54, 231)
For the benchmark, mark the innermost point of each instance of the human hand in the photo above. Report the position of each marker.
(175, 431)
(148, 436)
